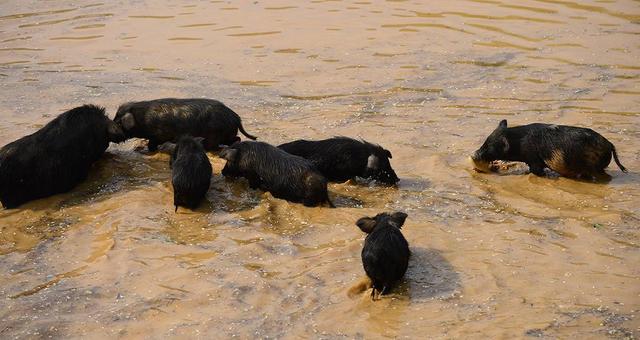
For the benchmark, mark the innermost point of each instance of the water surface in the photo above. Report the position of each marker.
(493, 256)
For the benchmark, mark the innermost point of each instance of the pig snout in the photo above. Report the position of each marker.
(389, 177)
(479, 162)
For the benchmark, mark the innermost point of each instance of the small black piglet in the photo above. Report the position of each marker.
(568, 150)
(190, 172)
(57, 157)
(286, 176)
(341, 158)
(385, 255)
(166, 120)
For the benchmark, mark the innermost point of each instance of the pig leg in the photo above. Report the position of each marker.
(254, 181)
(551, 173)
(152, 146)
(537, 169)
(536, 166)
(309, 202)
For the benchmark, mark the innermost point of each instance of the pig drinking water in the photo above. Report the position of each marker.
(57, 157)
(341, 158)
(166, 120)
(385, 255)
(286, 176)
(568, 150)
(190, 172)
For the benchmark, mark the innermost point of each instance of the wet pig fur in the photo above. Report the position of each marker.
(190, 172)
(385, 255)
(286, 176)
(57, 157)
(166, 120)
(340, 159)
(568, 150)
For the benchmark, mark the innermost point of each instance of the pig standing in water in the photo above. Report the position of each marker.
(190, 172)
(57, 157)
(570, 151)
(286, 176)
(340, 159)
(166, 120)
(385, 255)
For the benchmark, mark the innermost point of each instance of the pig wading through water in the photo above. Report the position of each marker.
(57, 157)
(286, 176)
(385, 255)
(190, 172)
(341, 158)
(166, 120)
(570, 151)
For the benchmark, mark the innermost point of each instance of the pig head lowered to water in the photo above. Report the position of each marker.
(568, 150)
(341, 158)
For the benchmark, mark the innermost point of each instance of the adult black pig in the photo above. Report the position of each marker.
(190, 172)
(166, 120)
(385, 255)
(57, 157)
(341, 158)
(286, 176)
(568, 150)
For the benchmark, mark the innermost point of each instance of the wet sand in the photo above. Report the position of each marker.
(493, 256)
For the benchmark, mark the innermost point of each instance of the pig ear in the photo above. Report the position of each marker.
(228, 154)
(128, 121)
(372, 162)
(388, 153)
(200, 140)
(398, 218)
(366, 224)
(115, 133)
(503, 124)
(505, 143)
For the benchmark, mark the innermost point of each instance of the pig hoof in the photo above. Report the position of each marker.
(550, 173)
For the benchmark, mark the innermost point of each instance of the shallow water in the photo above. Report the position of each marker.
(493, 256)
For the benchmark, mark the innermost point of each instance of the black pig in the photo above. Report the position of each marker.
(57, 157)
(340, 159)
(385, 255)
(190, 172)
(286, 176)
(166, 120)
(568, 150)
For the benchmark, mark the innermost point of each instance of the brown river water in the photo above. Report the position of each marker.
(512, 256)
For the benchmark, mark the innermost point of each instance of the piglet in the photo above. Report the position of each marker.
(286, 176)
(57, 157)
(166, 120)
(190, 172)
(385, 255)
(568, 150)
(341, 158)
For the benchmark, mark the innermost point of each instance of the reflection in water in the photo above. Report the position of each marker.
(502, 256)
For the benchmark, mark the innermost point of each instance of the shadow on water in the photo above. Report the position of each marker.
(414, 184)
(429, 276)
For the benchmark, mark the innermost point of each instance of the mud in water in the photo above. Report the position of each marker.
(493, 256)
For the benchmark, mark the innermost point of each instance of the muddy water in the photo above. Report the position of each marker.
(493, 256)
